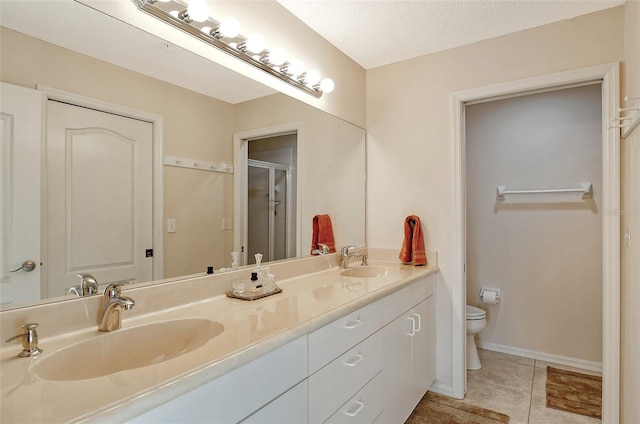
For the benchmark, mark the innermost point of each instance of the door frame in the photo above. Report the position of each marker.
(157, 122)
(608, 75)
(240, 180)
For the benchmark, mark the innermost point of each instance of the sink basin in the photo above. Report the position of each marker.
(126, 349)
(366, 272)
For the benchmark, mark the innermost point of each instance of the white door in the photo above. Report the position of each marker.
(20, 155)
(99, 197)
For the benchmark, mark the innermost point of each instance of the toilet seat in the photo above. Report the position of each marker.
(474, 313)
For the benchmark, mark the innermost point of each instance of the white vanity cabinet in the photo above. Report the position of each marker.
(370, 366)
(239, 393)
(409, 349)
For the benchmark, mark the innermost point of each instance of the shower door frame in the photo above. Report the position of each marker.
(608, 75)
(272, 167)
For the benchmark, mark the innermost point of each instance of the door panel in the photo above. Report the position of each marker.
(99, 197)
(259, 213)
(20, 158)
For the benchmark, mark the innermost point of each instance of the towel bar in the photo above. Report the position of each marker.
(586, 190)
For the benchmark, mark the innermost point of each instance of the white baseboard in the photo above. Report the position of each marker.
(541, 356)
(441, 389)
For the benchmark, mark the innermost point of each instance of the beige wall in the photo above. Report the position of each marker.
(195, 126)
(409, 132)
(332, 167)
(543, 251)
(630, 271)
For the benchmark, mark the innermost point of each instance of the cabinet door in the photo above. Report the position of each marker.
(398, 368)
(238, 393)
(423, 349)
(290, 408)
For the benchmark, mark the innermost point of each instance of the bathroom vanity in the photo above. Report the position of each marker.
(334, 346)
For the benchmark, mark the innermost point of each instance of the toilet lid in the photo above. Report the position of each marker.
(475, 313)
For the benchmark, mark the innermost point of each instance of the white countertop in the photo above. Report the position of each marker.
(250, 329)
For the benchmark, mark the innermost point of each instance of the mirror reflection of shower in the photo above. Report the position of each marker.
(271, 197)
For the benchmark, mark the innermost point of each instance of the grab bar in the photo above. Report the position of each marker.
(586, 190)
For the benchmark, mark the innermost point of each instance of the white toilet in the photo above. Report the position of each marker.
(476, 322)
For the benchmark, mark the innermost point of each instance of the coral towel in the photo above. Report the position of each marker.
(322, 233)
(413, 245)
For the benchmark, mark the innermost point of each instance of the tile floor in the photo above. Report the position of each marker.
(516, 386)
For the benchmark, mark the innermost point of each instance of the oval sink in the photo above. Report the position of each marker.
(126, 349)
(366, 272)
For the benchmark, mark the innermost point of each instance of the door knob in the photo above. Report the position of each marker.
(27, 266)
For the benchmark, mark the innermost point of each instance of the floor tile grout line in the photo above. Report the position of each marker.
(533, 380)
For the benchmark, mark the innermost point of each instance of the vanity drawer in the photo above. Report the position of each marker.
(334, 384)
(406, 298)
(364, 407)
(333, 339)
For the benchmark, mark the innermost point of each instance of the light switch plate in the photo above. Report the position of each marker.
(171, 225)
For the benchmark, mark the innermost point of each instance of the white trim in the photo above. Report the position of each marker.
(157, 122)
(241, 154)
(608, 74)
(541, 356)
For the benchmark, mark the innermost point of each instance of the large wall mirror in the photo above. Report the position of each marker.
(201, 112)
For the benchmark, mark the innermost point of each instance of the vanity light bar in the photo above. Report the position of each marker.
(174, 13)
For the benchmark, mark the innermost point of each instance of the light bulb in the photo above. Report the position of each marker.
(175, 14)
(255, 43)
(327, 85)
(229, 27)
(198, 10)
(206, 30)
(277, 57)
(312, 78)
(295, 68)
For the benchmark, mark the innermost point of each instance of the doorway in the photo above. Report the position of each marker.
(267, 193)
(528, 242)
(33, 210)
(608, 75)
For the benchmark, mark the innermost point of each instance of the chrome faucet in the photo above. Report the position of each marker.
(113, 304)
(345, 254)
(88, 285)
(323, 249)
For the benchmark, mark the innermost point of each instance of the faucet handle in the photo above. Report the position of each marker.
(346, 249)
(29, 340)
(323, 248)
(114, 289)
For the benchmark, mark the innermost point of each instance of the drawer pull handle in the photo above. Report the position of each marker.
(413, 326)
(353, 324)
(419, 321)
(354, 361)
(356, 411)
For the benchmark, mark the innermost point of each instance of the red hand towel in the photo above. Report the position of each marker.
(413, 244)
(322, 233)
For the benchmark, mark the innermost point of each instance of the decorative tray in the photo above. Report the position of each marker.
(253, 296)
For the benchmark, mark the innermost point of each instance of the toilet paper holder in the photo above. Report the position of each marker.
(490, 295)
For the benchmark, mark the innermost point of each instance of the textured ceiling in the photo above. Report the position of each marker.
(376, 33)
